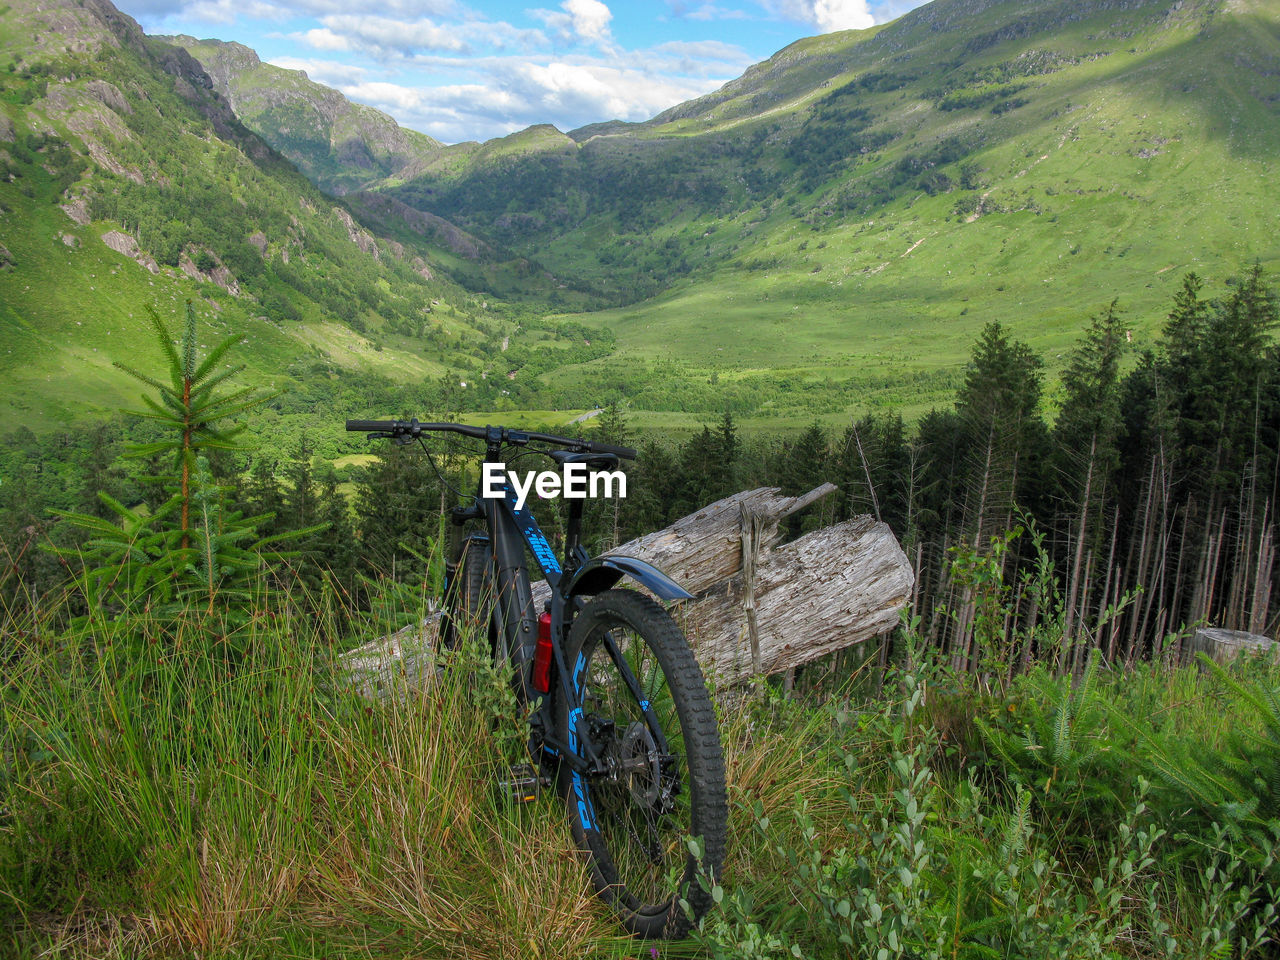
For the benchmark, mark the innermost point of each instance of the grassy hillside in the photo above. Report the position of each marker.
(856, 208)
(826, 234)
(125, 182)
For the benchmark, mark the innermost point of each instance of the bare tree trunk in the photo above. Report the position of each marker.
(1175, 605)
(1211, 580)
(1144, 541)
(1074, 587)
(866, 470)
(1106, 592)
(1261, 599)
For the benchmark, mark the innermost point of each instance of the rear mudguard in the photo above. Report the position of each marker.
(601, 573)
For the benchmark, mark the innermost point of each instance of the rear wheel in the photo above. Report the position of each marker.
(645, 706)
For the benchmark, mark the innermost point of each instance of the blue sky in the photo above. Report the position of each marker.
(475, 69)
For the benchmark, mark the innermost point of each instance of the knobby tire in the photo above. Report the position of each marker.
(632, 826)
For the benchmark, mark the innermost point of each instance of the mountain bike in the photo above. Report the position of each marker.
(620, 721)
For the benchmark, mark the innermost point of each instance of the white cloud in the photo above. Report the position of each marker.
(388, 97)
(590, 18)
(578, 20)
(515, 93)
(380, 35)
(842, 15)
(385, 38)
(226, 11)
(322, 38)
(826, 15)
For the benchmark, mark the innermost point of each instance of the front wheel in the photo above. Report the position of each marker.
(468, 603)
(645, 707)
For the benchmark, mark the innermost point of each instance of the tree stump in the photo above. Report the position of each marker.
(758, 608)
(1226, 645)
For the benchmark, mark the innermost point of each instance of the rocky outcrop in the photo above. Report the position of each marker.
(77, 209)
(121, 243)
(219, 274)
(357, 234)
(127, 245)
(84, 111)
(109, 95)
(77, 27)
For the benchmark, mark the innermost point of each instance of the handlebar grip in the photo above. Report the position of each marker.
(626, 453)
(371, 426)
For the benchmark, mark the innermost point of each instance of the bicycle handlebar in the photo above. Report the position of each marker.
(412, 428)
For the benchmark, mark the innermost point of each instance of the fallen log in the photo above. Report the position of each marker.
(831, 589)
(758, 608)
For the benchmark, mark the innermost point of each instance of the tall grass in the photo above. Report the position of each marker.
(160, 801)
(189, 787)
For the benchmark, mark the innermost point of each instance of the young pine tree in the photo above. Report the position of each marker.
(193, 552)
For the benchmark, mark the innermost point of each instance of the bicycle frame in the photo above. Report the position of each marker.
(515, 622)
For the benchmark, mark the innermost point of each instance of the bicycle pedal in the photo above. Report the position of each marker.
(522, 785)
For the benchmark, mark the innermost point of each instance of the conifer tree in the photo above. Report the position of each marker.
(397, 505)
(1086, 443)
(262, 494)
(195, 546)
(191, 406)
(998, 406)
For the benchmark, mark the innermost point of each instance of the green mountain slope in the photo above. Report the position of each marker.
(341, 146)
(125, 181)
(833, 228)
(825, 234)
